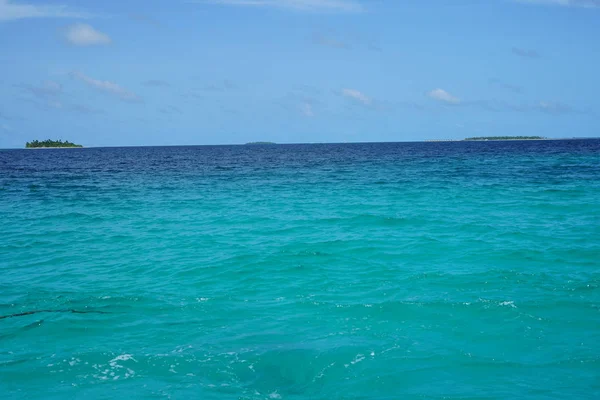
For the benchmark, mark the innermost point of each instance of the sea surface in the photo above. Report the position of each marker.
(454, 270)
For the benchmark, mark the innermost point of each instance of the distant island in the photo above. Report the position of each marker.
(252, 143)
(480, 138)
(36, 144)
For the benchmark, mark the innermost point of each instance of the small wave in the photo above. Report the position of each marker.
(508, 304)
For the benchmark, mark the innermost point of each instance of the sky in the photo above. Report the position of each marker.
(186, 72)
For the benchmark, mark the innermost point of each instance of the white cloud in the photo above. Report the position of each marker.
(85, 35)
(307, 110)
(107, 87)
(297, 5)
(10, 11)
(443, 96)
(358, 96)
(564, 3)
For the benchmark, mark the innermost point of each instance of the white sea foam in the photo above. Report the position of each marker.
(322, 372)
(114, 372)
(74, 361)
(357, 359)
(123, 357)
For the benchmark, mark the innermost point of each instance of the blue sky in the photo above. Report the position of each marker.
(167, 72)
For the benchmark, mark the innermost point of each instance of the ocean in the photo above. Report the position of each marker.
(453, 270)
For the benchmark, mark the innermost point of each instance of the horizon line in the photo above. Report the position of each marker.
(252, 144)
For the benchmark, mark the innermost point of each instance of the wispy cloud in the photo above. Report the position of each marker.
(307, 110)
(83, 109)
(296, 5)
(374, 47)
(156, 83)
(170, 110)
(9, 11)
(513, 88)
(220, 86)
(443, 96)
(302, 100)
(229, 110)
(6, 117)
(554, 108)
(107, 87)
(144, 19)
(564, 3)
(55, 104)
(85, 35)
(192, 94)
(45, 90)
(50, 95)
(328, 41)
(545, 107)
(526, 53)
(3, 125)
(45, 95)
(357, 96)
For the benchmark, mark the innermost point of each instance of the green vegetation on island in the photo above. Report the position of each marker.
(506, 138)
(251, 143)
(36, 144)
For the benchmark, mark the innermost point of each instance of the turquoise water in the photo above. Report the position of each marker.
(368, 271)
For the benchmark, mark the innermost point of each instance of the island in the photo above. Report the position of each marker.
(255, 143)
(51, 144)
(483, 138)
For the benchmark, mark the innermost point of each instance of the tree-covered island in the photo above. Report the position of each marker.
(259, 143)
(36, 144)
(480, 138)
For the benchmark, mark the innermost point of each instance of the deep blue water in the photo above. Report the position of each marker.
(453, 270)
